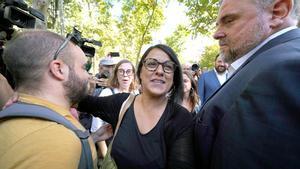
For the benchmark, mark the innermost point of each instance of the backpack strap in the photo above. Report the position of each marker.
(34, 111)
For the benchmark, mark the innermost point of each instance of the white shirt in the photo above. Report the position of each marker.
(236, 64)
(222, 77)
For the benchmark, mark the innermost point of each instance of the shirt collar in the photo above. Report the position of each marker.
(236, 64)
(221, 74)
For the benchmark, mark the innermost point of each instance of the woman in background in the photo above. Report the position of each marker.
(190, 97)
(123, 80)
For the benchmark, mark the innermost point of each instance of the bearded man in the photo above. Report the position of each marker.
(211, 80)
(49, 72)
(253, 120)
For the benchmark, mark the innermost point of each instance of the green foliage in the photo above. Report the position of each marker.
(93, 18)
(138, 19)
(202, 14)
(208, 57)
(126, 33)
(178, 38)
(129, 31)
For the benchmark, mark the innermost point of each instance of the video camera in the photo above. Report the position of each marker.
(77, 39)
(89, 51)
(15, 12)
(195, 67)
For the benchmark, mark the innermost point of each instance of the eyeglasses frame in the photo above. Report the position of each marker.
(125, 71)
(75, 37)
(160, 63)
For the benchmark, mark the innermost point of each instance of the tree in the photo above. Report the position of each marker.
(202, 14)
(95, 21)
(208, 57)
(138, 19)
(178, 38)
(41, 6)
(126, 34)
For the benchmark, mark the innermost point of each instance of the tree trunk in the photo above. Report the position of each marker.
(61, 16)
(144, 34)
(42, 6)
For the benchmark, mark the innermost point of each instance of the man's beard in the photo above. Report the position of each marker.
(220, 70)
(258, 33)
(76, 88)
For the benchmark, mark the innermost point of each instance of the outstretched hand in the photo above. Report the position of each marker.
(103, 133)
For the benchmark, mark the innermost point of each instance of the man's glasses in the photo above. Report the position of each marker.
(75, 37)
(61, 47)
(122, 72)
(152, 64)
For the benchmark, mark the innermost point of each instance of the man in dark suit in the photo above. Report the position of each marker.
(253, 120)
(211, 80)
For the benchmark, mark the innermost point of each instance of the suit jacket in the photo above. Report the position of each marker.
(253, 120)
(207, 85)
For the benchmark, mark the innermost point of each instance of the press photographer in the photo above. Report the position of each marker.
(196, 71)
(105, 69)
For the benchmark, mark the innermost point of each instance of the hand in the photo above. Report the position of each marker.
(103, 133)
(94, 81)
(102, 82)
(11, 100)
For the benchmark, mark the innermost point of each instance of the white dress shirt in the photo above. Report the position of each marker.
(236, 64)
(222, 77)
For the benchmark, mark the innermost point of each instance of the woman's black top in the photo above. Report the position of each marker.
(169, 145)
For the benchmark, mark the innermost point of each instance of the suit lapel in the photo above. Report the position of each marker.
(214, 78)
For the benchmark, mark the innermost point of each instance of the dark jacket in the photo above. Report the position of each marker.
(208, 83)
(253, 120)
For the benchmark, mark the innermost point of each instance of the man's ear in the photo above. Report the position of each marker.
(58, 69)
(280, 11)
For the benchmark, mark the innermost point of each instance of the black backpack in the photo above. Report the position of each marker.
(34, 111)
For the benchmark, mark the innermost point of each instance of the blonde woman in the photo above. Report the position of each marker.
(123, 80)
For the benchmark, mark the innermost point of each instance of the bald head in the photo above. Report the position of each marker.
(295, 11)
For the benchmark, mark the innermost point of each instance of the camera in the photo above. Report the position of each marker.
(77, 39)
(89, 51)
(195, 67)
(104, 75)
(114, 54)
(15, 12)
